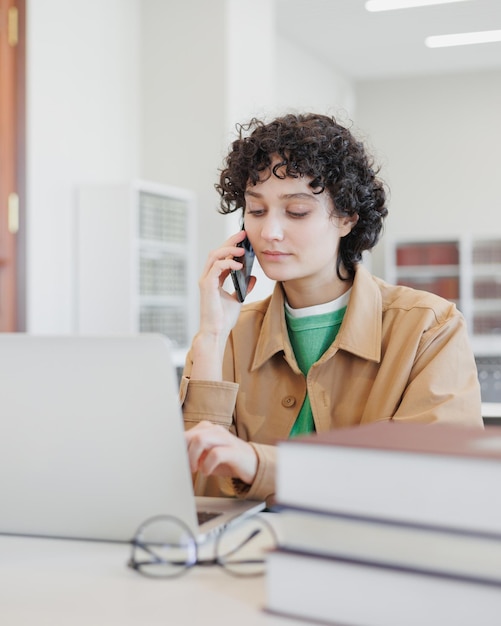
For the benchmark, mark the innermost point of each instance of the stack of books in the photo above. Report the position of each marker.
(389, 524)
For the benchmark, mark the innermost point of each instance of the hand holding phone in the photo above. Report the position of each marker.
(241, 277)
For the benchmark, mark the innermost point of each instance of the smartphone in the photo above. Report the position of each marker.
(241, 277)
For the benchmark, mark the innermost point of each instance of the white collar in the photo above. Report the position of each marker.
(319, 309)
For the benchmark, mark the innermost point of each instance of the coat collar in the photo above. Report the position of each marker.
(360, 332)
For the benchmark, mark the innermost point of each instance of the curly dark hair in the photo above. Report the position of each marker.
(316, 146)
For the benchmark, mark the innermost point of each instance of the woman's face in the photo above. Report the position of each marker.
(295, 238)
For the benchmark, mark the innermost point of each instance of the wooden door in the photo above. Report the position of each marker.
(12, 89)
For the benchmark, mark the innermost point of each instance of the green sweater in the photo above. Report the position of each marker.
(310, 337)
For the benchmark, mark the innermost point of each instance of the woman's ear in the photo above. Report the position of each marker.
(347, 223)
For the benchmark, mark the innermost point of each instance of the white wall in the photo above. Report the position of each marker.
(306, 82)
(183, 118)
(439, 141)
(82, 125)
(250, 62)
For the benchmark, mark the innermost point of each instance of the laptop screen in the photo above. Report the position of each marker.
(92, 436)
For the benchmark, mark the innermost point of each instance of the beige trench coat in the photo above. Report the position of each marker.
(400, 354)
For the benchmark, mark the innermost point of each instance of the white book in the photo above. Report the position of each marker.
(424, 548)
(429, 474)
(335, 591)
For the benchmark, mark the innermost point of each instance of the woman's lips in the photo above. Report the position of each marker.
(274, 254)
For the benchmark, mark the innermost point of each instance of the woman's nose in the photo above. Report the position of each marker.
(271, 229)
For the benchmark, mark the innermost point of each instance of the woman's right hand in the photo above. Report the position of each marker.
(219, 310)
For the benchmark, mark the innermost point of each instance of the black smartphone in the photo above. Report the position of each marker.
(241, 277)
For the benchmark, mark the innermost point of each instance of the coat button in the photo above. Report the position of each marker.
(288, 401)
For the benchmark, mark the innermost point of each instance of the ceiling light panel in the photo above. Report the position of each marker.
(391, 5)
(463, 39)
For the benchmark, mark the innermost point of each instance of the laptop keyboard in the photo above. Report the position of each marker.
(205, 516)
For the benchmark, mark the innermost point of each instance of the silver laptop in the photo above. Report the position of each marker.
(91, 441)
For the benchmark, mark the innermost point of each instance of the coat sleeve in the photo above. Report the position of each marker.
(263, 487)
(207, 400)
(215, 402)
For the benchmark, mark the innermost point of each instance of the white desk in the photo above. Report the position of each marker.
(50, 582)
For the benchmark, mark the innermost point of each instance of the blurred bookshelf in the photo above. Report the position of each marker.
(134, 261)
(467, 271)
(432, 266)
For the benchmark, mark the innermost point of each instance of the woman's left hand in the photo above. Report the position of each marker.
(214, 451)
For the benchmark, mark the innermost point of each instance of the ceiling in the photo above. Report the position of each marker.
(365, 45)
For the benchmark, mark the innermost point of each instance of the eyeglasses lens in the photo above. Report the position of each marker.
(241, 549)
(164, 547)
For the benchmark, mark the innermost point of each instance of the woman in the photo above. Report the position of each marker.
(333, 346)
